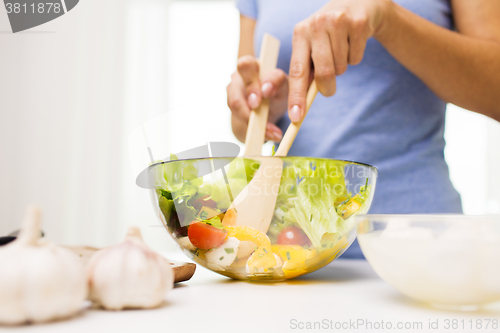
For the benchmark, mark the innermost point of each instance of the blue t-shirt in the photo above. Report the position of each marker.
(381, 114)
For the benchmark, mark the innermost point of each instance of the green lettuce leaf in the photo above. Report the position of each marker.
(166, 207)
(187, 191)
(315, 213)
(179, 182)
(319, 185)
(242, 168)
(219, 192)
(185, 211)
(214, 222)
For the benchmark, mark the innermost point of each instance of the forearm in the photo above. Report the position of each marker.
(247, 28)
(460, 69)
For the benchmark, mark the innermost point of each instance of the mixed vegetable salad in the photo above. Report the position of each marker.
(310, 226)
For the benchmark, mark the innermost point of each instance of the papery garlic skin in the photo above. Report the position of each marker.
(39, 281)
(129, 275)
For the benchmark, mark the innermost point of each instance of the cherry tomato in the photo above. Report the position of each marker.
(293, 236)
(204, 236)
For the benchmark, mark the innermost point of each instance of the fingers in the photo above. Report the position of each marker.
(358, 35)
(338, 32)
(248, 68)
(273, 83)
(323, 56)
(236, 99)
(277, 83)
(300, 68)
(273, 132)
(333, 38)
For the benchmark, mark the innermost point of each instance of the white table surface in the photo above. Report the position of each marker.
(345, 291)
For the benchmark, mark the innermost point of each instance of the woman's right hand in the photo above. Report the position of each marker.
(246, 91)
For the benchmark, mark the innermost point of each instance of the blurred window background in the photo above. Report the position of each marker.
(81, 99)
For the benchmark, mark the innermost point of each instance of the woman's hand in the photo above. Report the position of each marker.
(332, 38)
(245, 93)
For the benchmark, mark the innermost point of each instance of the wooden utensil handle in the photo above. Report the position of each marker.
(293, 128)
(256, 131)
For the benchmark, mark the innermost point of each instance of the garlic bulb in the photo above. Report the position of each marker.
(39, 281)
(129, 275)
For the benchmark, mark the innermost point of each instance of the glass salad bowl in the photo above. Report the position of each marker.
(312, 223)
(447, 261)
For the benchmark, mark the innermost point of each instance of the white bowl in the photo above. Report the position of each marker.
(448, 261)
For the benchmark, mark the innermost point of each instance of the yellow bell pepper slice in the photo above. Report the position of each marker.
(326, 256)
(351, 207)
(298, 260)
(294, 258)
(244, 233)
(294, 273)
(262, 258)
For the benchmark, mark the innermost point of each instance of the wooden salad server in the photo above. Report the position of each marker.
(243, 210)
(293, 128)
(254, 206)
(256, 132)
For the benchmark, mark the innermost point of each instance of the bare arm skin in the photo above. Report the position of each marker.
(247, 29)
(460, 67)
(245, 91)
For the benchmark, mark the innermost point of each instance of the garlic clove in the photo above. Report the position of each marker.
(40, 281)
(64, 287)
(129, 275)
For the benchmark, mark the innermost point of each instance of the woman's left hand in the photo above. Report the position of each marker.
(332, 38)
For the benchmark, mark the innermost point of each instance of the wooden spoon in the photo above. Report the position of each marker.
(256, 131)
(255, 205)
(255, 137)
(293, 128)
